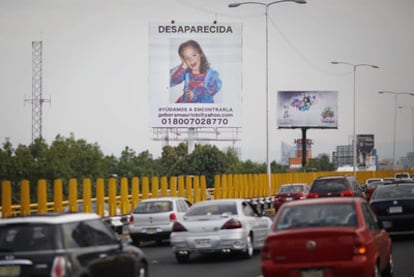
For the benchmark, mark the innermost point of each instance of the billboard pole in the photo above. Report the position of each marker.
(304, 147)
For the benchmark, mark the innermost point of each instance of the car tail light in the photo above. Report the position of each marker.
(359, 247)
(232, 224)
(173, 217)
(178, 227)
(313, 195)
(302, 196)
(346, 193)
(131, 219)
(59, 267)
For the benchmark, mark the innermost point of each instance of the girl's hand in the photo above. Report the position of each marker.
(183, 64)
(189, 95)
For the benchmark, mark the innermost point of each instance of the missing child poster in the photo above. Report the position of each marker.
(195, 75)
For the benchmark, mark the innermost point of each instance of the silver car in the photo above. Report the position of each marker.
(219, 226)
(152, 219)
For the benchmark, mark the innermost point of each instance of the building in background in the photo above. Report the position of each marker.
(292, 155)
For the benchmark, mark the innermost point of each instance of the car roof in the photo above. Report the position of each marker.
(398, 184)
(168, 198)
(294, 184)
(50, 218)
(220, 201)
(333, 177)
(324, 200)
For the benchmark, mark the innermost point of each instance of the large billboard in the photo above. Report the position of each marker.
(307, 109)
(365, 152)
(195, 74)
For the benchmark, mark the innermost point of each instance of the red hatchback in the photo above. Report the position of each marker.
(290, 192)
(332, 236)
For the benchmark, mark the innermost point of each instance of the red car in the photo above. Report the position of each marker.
(330, 236)
(372, 186)
(289, 192)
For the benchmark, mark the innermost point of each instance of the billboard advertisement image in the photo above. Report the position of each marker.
(307, 109)
(195, 75)
(365, 151)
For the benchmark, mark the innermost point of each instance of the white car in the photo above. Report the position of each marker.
(402, 176)
(152, 219)
(219, 226)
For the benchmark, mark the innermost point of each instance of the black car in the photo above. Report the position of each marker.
(334, 186)
(394, 206)
(66, 245)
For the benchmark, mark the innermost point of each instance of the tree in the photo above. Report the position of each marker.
(321, 163)
(205, 160)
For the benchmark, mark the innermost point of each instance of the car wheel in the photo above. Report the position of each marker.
(182, 258)
(142, 270)
(135, 241)
(248, 251)
(389, 270)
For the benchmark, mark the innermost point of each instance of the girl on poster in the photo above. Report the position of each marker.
(201, 82)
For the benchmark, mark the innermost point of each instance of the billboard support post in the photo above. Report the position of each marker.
(304, 140)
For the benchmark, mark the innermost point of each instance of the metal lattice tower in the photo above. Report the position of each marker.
(37, 99)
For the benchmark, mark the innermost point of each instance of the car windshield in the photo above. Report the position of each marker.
(317, 215)
(329, 186)
(26, 237)
(291, 188)
(147, 207)
(214, 209)
(397, 191)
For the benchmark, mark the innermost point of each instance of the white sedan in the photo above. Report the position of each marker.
(219, 226)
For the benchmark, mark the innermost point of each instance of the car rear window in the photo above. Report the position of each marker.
(292, 188)
(153, 207)
(220, 209)
(317, 215)
(329, 186)
(27, 237)
(398, 191)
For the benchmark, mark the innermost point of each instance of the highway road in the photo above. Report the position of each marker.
(163, 263)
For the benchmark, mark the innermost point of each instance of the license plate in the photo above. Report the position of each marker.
(312, 273)
(289, 198)
(10, 270)
(151, 230)
(395, 209)
(203, 243)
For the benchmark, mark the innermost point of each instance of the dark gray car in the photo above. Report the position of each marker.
(66, 245)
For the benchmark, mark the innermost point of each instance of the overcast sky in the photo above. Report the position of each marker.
(96, 61)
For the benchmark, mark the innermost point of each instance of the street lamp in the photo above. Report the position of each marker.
(412, 116)
(354, 146)
(266, 5)
(396, 94)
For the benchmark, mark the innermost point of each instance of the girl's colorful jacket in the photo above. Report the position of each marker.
(204, 86)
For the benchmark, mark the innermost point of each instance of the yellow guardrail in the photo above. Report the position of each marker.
(122, 195)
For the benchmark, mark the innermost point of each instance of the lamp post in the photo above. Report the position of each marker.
(412, 116)
(267, 6)
(354, 146)
(396, 94)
